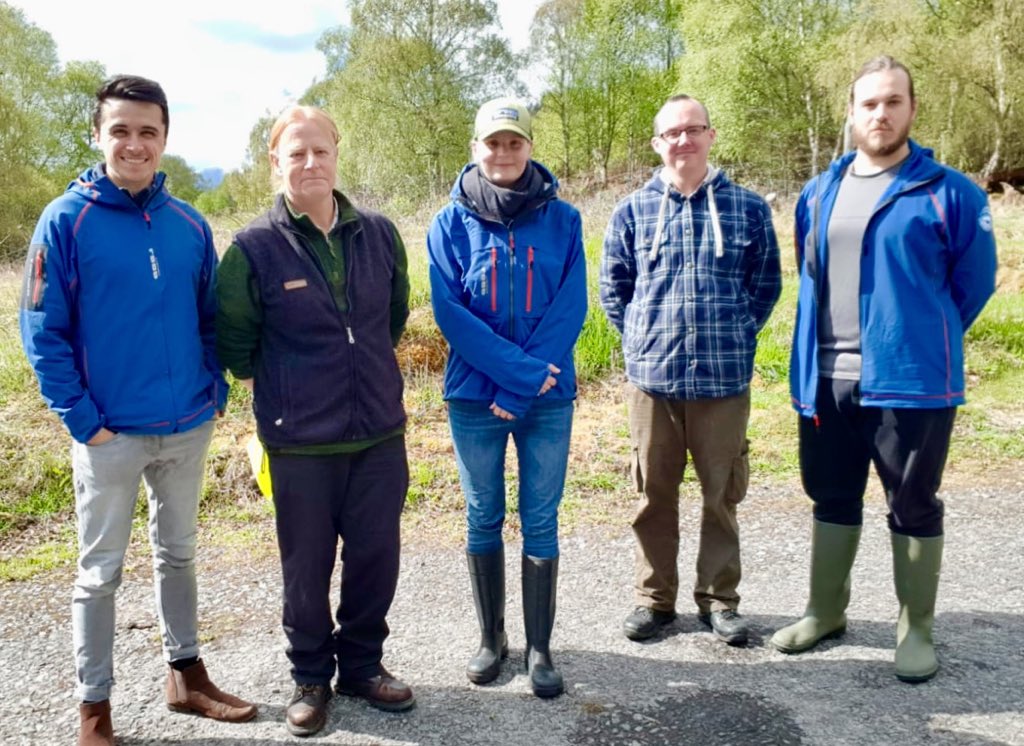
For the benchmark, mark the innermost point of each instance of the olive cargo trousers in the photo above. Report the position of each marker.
(714, 433)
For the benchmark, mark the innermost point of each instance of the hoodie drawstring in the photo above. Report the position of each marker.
(716, 223)
(660, 224)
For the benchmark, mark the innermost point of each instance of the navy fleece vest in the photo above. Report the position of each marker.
(323, 376)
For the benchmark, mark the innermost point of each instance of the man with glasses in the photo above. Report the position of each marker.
(689, 275)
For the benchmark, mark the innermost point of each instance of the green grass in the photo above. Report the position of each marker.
(775, 339)
(598, 348)
(38, 559)
(52, 493)
(996, 340)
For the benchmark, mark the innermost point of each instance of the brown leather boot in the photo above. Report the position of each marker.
(192, 691)
(96, 728)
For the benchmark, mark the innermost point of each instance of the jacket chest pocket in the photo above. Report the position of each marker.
(540, 273)
(298, 301)
(483, 278)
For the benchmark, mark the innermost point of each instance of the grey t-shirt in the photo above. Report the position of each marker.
(839, 308)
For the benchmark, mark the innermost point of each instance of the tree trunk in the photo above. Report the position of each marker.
(1001, 103)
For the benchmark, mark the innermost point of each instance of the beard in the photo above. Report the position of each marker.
(863, 142)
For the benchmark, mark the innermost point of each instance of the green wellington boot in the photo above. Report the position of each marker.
(833, 549)
(915, 564)
(487, 576)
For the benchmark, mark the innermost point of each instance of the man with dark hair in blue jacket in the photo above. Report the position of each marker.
(117, 321)
(897, 259)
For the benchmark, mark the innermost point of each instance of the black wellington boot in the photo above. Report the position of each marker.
(540, 581)
(487, 576)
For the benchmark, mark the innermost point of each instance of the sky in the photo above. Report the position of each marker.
(222, 63)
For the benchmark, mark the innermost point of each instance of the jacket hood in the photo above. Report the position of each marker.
(714, 179)
(94, 185)
(459, 195)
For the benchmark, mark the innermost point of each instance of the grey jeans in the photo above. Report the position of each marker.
(107, 481)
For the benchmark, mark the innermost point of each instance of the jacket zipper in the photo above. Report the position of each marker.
(345, 256)
(154, 263)
(511, 284)
(529, 278)
(494, 279)
(37, 285)
(311, 255)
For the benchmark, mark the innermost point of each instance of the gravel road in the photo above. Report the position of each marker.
(684, 687)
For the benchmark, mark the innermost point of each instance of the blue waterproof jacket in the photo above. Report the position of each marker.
(117, 311)
(927, 268)
(509, 299)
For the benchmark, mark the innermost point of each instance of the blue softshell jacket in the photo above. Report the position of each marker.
(927, 268)
(117, 311)
(509, 299)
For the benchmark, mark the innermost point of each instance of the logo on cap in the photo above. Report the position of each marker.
(505, 114)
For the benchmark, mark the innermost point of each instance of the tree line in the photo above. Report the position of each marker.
(404, 78)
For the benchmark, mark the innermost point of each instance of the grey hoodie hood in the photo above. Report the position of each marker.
(666, 188)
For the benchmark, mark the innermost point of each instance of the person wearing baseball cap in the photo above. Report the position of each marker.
(509, 291)
(503, 115)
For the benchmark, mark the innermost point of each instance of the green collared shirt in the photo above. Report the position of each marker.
(326, 250)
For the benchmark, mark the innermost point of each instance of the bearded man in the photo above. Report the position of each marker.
(897, 259)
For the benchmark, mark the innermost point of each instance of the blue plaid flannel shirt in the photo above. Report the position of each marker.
(689, 318)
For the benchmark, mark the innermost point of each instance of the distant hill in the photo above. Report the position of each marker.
(210, 178)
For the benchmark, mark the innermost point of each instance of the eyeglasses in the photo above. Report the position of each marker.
(674, 136)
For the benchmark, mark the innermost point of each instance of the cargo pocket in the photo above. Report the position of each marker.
(739, 478)
(637, 471)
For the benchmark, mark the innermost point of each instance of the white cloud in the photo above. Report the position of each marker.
(223, 63)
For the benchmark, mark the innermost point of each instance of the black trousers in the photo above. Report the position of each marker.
(359, 498)
(907, 446)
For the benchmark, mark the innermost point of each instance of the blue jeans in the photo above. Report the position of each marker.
(542, 445)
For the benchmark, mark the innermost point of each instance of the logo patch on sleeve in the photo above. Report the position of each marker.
(34, 286)
(985, 220)
(295, 284)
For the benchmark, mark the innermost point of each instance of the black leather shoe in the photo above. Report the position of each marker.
(644, 622)
(307, 710)
(727, 624)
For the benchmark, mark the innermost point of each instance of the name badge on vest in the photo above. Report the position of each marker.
(295, 284)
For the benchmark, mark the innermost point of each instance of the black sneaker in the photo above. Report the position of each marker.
(644, 622)
(307, 710)
(727, 624)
